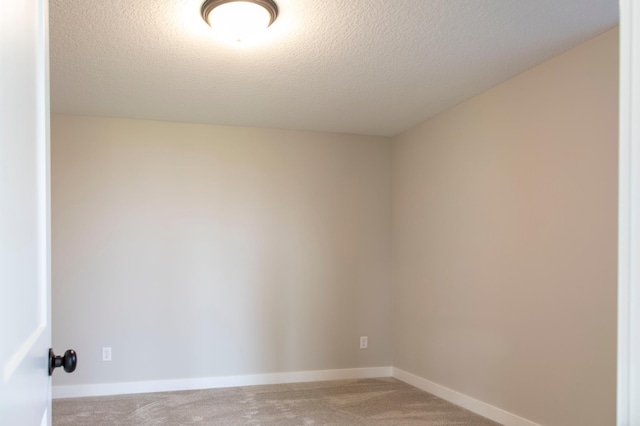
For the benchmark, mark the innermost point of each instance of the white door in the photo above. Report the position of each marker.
(25, 337)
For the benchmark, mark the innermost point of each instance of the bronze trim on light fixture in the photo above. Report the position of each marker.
(209, 5)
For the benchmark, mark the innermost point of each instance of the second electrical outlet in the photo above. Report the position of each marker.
(364, 342)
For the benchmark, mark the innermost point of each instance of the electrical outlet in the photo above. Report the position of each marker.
(106, 354)
(364, 342)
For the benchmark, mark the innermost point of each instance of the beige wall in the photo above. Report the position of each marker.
(504, 241)
(198, 251)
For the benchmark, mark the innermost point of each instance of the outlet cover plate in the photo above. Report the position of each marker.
(106, 354)
(364, 342)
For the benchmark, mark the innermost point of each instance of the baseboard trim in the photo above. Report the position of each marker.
(482, 408)
(103, 389)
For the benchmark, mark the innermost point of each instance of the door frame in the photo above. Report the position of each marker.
(628, 397)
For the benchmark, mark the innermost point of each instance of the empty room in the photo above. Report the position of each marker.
(359, 212)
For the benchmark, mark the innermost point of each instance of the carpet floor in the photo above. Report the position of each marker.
(371, 402)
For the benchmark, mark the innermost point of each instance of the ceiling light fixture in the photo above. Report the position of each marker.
(239, 20)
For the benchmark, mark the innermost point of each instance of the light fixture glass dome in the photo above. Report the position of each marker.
(239, 20)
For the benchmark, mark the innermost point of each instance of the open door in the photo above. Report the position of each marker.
(25, 337)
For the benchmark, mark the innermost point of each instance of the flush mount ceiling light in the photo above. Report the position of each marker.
(239, 20)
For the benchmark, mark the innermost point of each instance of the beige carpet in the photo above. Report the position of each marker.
(370, 402)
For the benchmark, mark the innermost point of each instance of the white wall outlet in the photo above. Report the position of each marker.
(364, 342)
(106, 354)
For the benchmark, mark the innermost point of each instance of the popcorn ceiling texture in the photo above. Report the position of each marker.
(373, 67)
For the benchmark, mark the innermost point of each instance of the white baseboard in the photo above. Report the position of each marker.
(216, 382)
(482, 408)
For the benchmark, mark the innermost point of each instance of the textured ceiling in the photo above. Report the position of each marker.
(372, 67)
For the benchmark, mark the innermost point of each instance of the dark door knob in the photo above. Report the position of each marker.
(68, 361)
